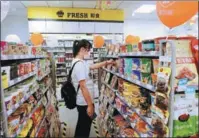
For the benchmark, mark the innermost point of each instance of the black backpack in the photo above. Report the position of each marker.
(68, 91)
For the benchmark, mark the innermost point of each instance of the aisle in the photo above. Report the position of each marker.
(70, 118)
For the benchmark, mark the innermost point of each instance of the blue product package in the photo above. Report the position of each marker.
(135, 64)
(148, 46)
(136, 74)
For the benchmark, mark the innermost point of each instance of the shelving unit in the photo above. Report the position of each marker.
(166, 62)
(24, 88)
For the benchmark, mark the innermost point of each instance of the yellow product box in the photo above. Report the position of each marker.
(5, 75)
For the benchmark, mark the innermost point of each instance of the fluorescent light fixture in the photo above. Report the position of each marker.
(146, 8)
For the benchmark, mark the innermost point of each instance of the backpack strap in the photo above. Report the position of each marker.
(70, 73)
(71, 70)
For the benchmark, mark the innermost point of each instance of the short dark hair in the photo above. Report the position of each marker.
(78, 44)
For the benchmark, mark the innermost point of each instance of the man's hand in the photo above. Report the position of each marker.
(90, 110)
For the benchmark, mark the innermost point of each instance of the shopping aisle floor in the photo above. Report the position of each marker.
(70, 118)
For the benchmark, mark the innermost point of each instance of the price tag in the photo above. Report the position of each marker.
(139, 53)
(152, 52)
(149, 86)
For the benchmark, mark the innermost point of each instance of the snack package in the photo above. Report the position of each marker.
(136, 75)
(146, 65)
(184, 120)
(136, 64)
(159, 128)
(154, 79)
(186, 72)
(108, 75)
(146, 78)
(148, 46)
(163, 80)
(114, 82)
(103, 75)
(135, 47)
(129, 132)
(13, 124)
(161, 107)
(155, 65)
(128, 67)
(123, 49)
(129, 48)
(142, 128)
(26, 129)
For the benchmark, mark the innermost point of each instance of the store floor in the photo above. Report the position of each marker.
(70, 118)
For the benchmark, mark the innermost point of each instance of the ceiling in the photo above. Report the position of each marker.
(18, 8)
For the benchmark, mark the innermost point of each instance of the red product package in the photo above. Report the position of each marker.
(194, 48)
(21, 70)
(4, 47)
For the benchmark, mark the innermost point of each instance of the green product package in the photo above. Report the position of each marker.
(129, 48)
(146, 65)
(184, 119)
(146, 78)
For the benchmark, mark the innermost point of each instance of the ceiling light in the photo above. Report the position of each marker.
(146, 8)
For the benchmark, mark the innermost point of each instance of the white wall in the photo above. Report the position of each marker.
(15, 25)
(147, 29)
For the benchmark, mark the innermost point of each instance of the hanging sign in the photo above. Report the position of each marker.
(76, 14)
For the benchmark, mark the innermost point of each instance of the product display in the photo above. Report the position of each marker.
(145, 90)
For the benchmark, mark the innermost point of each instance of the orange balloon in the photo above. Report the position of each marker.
(175, 13)
(36, 39)
(130, 39)
(98, 41)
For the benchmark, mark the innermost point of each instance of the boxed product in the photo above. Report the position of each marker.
(4, 48)
(5, 76)
(146, 65)
(129, 48)
(136, 75)
(135, 47)
(148, 45)
(136, 64)
(146, 78)
(123, 49)
(154, 79)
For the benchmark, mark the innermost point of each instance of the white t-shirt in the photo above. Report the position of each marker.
(80, 72)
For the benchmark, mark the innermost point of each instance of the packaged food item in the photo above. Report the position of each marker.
(136, 75)
(13, 124)
(107, 79)
(163, 79)
(141, 127)
(129, 132)
(5, 76)
(26, 129)
(120, 85)
(155, 65)
(8, 102)
(135, 101)
(160, 129)
(135, 47)
(154, 79)
(114, 81)
(136, 64)
(129, 48)
(123, 49)
(146, 78)
(133, 116)
(184, 120)
(146, 65)
(148, 46)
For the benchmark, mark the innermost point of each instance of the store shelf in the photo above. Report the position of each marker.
(16, 57)
(114, 90)
(14, 108)
(40, 78)
(139, 83)
(60, 68)
(110, 56)
(26, 119)
(40, 125)
(20, 79)
(61, 75)
(60, 63)
(147, 120)
(44, 91)
(140, 54)
(57, 51)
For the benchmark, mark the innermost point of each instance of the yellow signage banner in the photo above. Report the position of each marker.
(45, 13)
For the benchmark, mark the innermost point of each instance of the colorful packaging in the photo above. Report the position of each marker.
(135, 48)
(136, 75)
(148, 46)
(155, 65)
(146, 65)
(136, 64)
(154, 79)
(129, 48)
(146, 78)
(184, 121)
(123, 49)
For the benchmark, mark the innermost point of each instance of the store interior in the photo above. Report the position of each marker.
(151, 90)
